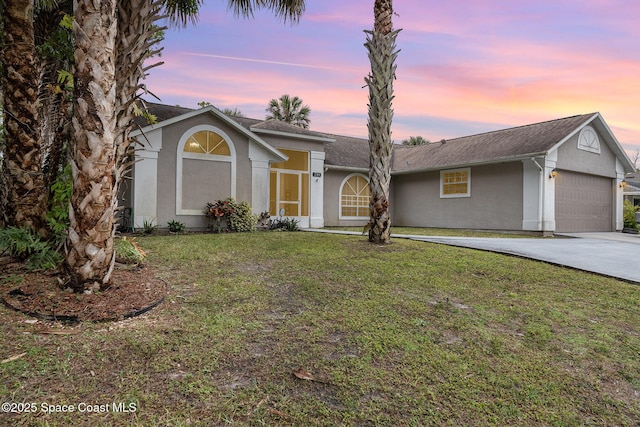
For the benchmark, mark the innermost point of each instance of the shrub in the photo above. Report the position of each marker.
(58, 215)
(285, 224)
(148, 226)
(175, 226)
(228, 213)
(25, 245)
(128, 251)
(629, 215)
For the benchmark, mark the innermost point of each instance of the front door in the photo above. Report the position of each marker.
(289, 186)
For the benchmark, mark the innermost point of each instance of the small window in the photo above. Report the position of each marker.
(354, 197)
(207, 142)
(455, 183)
(588, 140)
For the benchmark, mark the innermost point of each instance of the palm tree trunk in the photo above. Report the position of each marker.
(90, 255)
(23, 198)
(381, 47)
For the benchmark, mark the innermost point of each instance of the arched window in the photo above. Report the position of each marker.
(205, 169)
(588, 140)
(207, 142)
(354, 197)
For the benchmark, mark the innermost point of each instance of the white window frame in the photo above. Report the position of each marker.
(586, 144)
(181, 154)
(344, 181)
(458, 195)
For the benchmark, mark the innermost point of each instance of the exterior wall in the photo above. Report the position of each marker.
(167, 169)
(572, 159)
(496, 200)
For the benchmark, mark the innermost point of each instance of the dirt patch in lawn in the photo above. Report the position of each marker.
(132, 291)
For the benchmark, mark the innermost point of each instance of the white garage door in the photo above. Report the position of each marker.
(583, 202)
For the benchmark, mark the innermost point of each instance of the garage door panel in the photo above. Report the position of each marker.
(583, 202)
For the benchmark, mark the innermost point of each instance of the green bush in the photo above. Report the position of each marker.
(26, 245)
(58, 215)
(229, 213)
(285, 224)
(629, 215)
(128, 251)
(175, 226)
(148, 226)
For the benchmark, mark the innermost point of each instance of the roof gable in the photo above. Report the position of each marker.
(173, 115)
(506, 144)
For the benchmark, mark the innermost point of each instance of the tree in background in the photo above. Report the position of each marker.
(290, 110)
(415, 140)
(233, 112)
(381, 45)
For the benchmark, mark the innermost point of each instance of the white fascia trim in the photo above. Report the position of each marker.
(180, 154)
(219, 114)
(292, 135)
(345, 168)
(519, 157)
(610, 139)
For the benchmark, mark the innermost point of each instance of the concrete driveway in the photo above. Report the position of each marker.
(611, 254)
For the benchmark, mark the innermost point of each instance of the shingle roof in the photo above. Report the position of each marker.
(347, 151)
(273, 125)
(351, 152)
(504, 144)
(162, 112)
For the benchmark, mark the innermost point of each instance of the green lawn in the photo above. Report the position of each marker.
(421, 231)
(406, 334)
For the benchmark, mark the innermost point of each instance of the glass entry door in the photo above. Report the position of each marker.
(289, 186)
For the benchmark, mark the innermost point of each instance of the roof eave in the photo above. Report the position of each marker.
(519, 157)
(291, 135)
(345, 168)
(220, 115)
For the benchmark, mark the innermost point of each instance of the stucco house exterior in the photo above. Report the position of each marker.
(562, 175)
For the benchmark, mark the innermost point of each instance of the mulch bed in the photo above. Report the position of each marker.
(133, 291)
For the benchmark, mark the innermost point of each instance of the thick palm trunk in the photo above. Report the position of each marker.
(90, 255)
(23, 197)
(381, 46)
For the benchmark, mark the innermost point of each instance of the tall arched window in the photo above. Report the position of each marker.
(205, 169)
(354, 197)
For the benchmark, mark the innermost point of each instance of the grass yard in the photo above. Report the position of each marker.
(422, 231)
(409, 334)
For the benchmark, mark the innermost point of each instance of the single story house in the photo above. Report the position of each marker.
(561, 175)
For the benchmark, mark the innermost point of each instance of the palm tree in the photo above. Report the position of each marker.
(290, 110)
(415, 140)
(22, 201)
(109, 69)
(382, 54)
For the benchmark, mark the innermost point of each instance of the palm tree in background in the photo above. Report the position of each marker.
(290, 110)
(23, 202)
(381, 45)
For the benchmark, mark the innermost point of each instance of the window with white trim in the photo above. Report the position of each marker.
(455, 183)
(588, 140)
(205, 169)
(354, 197)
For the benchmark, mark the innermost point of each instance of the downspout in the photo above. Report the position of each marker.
(540, 194)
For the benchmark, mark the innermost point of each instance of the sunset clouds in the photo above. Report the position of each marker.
(464, 67)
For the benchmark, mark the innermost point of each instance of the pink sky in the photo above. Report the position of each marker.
(463, 68)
